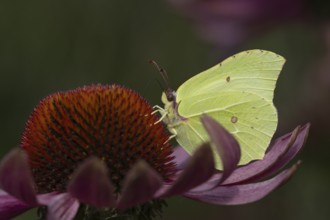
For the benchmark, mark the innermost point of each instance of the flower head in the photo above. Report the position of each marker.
(99, 152)
(112, 123)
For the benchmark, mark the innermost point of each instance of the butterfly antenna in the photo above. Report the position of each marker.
(160, 85)
(170, 95)
(162, 72)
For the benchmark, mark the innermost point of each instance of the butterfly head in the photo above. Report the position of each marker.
(168, 96)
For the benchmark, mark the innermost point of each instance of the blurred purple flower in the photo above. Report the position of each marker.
(227, 23)
(93, 187)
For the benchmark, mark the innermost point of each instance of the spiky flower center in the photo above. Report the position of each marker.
(111, 122)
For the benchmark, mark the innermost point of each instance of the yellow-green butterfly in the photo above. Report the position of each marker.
(238, 93)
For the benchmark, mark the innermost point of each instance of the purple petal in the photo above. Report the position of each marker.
(291, 152)
(282, 151)
(180, 157)
(11, 207)
(46, 198)
(16, 178)
(199, 169)
(139, 186)
(257, 168)
(210, 184)
(226, 145)
(90, 184)
(242, 194)
(62, 207)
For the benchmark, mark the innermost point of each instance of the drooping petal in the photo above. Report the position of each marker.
(210, 184)
(46, 198)
(139, 186)
(16, 178)
(180, 157)
(258, 168)
(291, 152)
(281, 152)
(90, 184)
(62, 207)
(11, 207)
(242, 194)
(226, 145)
(199, 169)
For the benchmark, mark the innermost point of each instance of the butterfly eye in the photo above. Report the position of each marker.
(170, 95)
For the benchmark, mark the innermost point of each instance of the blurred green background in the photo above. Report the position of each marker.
(48, 46)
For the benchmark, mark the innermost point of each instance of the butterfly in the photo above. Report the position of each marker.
(238, 93)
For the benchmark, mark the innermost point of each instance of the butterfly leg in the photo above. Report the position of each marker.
(161, 118)
(161, 111)
(174, 134)
(157, 109)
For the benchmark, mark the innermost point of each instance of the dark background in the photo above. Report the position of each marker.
(53, 45)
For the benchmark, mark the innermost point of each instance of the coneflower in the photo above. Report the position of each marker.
(97, 152)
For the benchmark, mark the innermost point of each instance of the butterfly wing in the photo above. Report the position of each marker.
(238, 93)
